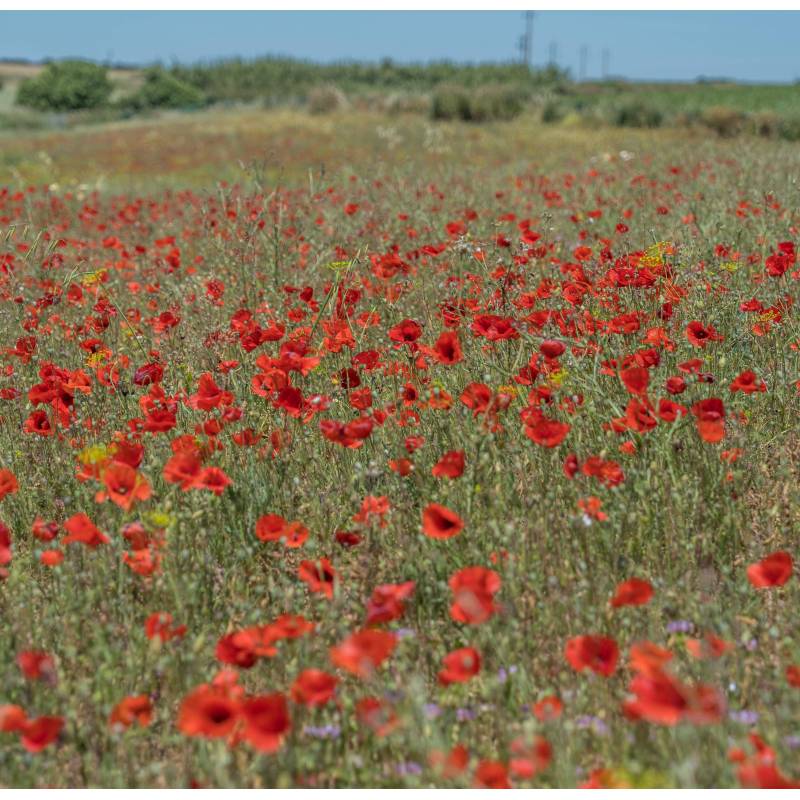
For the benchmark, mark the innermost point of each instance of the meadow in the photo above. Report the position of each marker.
(370, 451)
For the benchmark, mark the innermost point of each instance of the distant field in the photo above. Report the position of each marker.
(676, 98)
(207, 146)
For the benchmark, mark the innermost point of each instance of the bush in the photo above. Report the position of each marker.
(724, 121)
(764, 123)
(495, 103)
(481, 105)
(450, 102)
(161, 89)
(326, 99)
(637, 115)
(552, 112)
(66, 86)
(789, 129)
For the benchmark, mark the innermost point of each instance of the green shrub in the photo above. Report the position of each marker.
(764, 123)
(495, 103)
(637, 115)
(450, 102)
(66, 86)
(484, 104)
(552, 111)
(789, 129)
(724, 121)
(161, 89)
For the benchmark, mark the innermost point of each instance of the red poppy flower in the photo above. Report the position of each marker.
(124, 485)
(460, 665)
(313, 687)
(491, 775)
(710, 419)
(648, 657)
(364, 651)
(36, 734)
(547, 432)
(473, 594)
(633, 592)
(159, 626)
(659, 698)
(319, 575)
(8, 483)
(266, 720)
(748, 383)
(244, 647)
(44, 531)
(669, 411)
(51, 558)
(450, 465)
(548, 708)
(450, 764)
(82, 530)
(635, 379)
(12, 718)
(37, 665)
(793, 675)
(6, 553)
(676, 385)
(439, 522)
(135, 708)
(662, 699)
(477, 397)
(447, 349)
(378, 715)
(274, 528)
(774, 570)
(757, 774)
(494, 328)
(597, 653)
(208, 711)
(405, 332)
(552, 348)
(530, 757)
(387, 602)
(700, 335)
(710, 646)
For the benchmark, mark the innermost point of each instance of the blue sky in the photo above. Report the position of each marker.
(680, 45)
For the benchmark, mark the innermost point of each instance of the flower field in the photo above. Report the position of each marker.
(453, 464)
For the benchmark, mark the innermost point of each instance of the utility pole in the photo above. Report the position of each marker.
(606, 62)
(553, 58)
(582, 68)
(527, 39)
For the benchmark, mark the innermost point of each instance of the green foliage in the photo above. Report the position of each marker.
(789, 129)
(238, 79)
(162, 89)
(484, 104)
(637, 115)
(66, 86)
(552, 111)
(450, 102)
